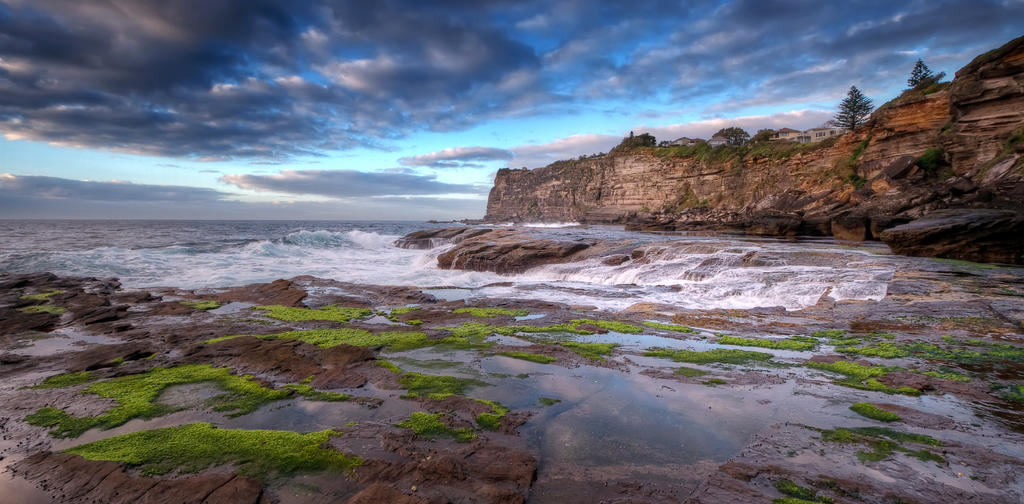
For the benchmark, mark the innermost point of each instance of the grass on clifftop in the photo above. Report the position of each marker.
(136, 397)
(330, 313)
(430, 426)
(874, 412)
(194, 447)
(727, 356)
(491, 312)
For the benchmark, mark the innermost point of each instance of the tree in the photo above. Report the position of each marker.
(641, 140)
(919, 74)
(734, 135)
(762, 135)
(853, 110)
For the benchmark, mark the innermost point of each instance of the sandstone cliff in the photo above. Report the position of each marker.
(956, 145)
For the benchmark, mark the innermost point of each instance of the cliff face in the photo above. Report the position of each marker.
(856, 187)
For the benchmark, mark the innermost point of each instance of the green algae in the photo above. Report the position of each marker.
(66, 380)
(136, 397)
(327, 338)
(862, 377)
(713, 381)
(430, 426)
(995, 352)
(42, 296)
(592, 351)
(532, 357)
(883, 349)
(194, 447)
(330, 313)
(548, 401)
(829, 333)
(51, 309)
(316, 395)
(435, 387)
(202, 305)
(874, 412)
(722, 355)
(611, 325)
(389, 366)
(1014, 394)
(491, 312)
(793, 343)
(689, 372)
(797, 493)
(669, 327)
(491, 420)
(395, 312)
(884, 442)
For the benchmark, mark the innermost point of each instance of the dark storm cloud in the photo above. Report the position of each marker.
(55, 188)
(348, 183)
(271, 80)
(457, 157)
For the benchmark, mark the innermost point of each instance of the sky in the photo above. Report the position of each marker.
(404, 110)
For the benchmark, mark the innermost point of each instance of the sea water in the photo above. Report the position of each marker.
(686, 271)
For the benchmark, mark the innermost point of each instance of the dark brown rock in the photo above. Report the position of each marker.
(70, 478)
(969, 234)
(430, 238)
(278, 292)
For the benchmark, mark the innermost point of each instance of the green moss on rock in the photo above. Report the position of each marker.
(669, 327)
(202, 305)
(491, 312)
(330, 313)
(50, 309)
(532, 357)
(785, 344)
(436, 387)
(42, 296)
(430, 426)
(874, 412)
(194, 447)
(722, 355)
(136, 396)
(66, 380)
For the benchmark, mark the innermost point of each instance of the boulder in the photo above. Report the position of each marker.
(970, 234)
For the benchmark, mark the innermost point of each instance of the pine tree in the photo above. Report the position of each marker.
(853, 110)
(919, 74)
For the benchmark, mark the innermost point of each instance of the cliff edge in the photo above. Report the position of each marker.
(937, 152)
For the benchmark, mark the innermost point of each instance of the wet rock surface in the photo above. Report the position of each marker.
(551, 403)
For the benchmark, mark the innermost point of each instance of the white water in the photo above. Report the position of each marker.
(692, 272)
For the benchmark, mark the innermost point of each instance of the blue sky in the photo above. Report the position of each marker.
(404, 109)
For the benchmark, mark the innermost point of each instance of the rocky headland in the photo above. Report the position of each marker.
(938, 171)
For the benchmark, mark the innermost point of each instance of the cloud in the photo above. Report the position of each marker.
(37, 197)
(349, 183)
(54, 188)
(262, 80)
(457, 157)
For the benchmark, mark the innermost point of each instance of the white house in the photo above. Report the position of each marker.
(685, 142)
(785, 134)
(823, 132)
(717, 140)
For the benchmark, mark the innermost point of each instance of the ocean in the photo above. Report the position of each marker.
(694, 272)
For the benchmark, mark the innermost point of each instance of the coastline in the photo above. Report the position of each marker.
(543, 401)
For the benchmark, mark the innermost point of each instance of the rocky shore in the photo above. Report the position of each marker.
(311, 390)
(956, 146)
